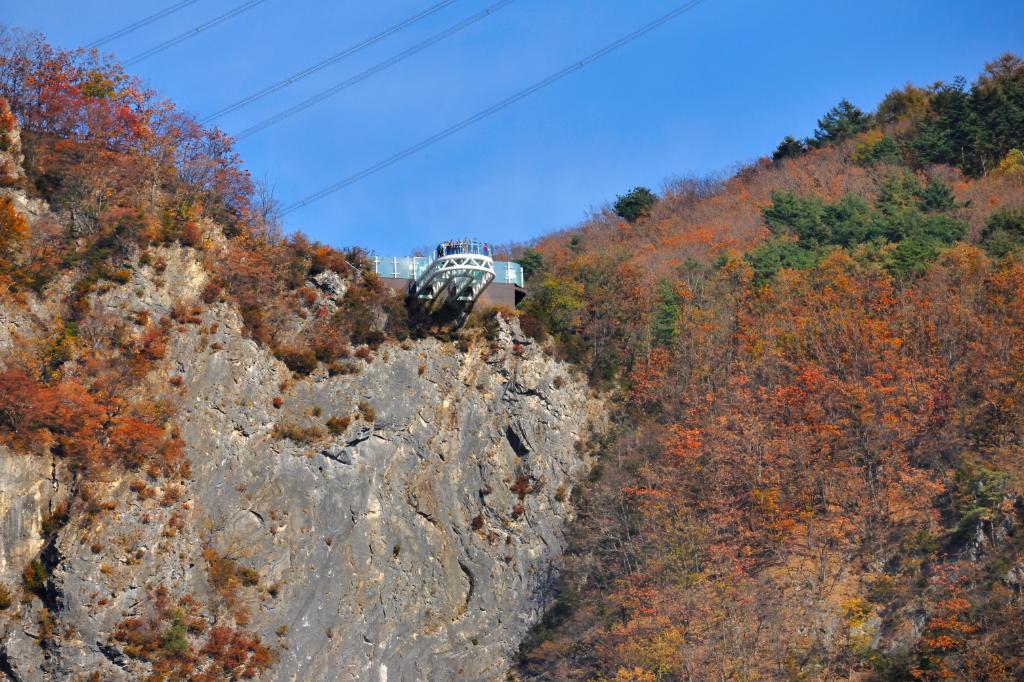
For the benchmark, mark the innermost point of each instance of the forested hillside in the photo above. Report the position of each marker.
(815, 367)
(227, 453)
(817, 468)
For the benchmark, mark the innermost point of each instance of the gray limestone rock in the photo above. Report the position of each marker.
(11, 157)
(417, 544)
(331, 283)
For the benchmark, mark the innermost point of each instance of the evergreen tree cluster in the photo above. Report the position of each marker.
(635, 204)
(972, 128)
(906, 228)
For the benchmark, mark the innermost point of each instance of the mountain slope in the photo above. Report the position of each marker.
(222, 454)
(230, 453)
(817, 473)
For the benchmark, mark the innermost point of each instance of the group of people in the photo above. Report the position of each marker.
(464, 246)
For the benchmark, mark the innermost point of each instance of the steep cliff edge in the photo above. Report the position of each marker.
(397, 521)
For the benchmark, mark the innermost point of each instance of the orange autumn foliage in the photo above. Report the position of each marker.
(13, 227)
(92, 429)
(785, 438)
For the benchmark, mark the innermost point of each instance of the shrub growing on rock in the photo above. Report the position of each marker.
(338, 425)
(299, 360)
(297, 433)
(34, 577)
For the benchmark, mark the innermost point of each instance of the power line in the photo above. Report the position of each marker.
(508, 101)
(193, 32)
(347, 52)
(360, 77)
(141, 22)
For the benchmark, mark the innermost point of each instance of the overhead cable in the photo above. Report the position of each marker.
(333, 59)
(141, 23)
(490, 111)
(373, 70)
(192, 32)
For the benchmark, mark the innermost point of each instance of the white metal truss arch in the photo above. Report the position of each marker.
(455, 277)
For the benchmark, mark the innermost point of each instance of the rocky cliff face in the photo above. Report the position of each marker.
(398, 523)
(11, 156)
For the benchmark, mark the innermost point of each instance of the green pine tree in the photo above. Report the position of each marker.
(841, 122)
(666, 318)
(789, 147)
(636, 204)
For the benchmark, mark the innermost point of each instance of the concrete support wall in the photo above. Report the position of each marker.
(507, 295)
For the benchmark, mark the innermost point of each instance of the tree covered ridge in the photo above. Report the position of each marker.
(817, 462)
(125, 174)
(817, 469)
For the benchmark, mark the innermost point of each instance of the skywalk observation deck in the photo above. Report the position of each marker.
(462, 272)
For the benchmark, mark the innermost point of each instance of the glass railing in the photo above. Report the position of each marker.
(507, 272)
(411, 267)
(462, 247)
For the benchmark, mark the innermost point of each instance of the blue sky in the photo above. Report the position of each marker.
(720, 85)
